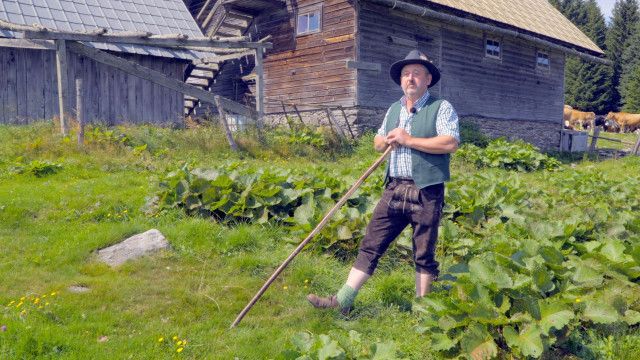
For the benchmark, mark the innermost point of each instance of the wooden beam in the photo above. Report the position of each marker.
(235, 107)
(594, 138)
(28, 44)
(403, 42)
(202, 10)
(221, 58)
(223, 121)
(259, 70)
(636, 147)
(363, 65)
(141, 71)
(149, 41)
(80, 110)
(61, 70)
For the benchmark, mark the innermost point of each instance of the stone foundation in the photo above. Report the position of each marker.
(543, 134)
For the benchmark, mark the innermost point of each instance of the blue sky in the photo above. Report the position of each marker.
(607, 7)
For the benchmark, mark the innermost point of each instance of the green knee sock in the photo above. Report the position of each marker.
(346, 296)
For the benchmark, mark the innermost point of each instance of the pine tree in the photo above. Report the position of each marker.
(623, 26)
(630, 61)
(587, 85)
(631, 90)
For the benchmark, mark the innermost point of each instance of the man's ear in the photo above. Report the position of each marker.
(429, 80)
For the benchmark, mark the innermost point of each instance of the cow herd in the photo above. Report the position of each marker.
(612, 122)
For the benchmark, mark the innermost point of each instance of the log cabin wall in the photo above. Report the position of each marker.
(510, 88)
(309, 69)
(29, 90)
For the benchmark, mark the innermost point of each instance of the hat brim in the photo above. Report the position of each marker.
(396, 70)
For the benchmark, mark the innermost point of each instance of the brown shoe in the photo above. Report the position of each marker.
(327, 303)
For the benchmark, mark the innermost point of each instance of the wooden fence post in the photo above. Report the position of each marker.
(594, 138)
(286, 116)
(295, 108)
(346, 120)
(80, 111)
(636, 148)
(333, 126)
(61, 70)
(223, 120)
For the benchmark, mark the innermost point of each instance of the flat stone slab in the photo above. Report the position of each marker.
(133, 247)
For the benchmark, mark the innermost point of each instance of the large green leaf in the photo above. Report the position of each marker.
(384, 351)
(441, 342)
(613, 250)
(329, 349)
(632, 317)
(489, 273)
(600, 313)
(478, 342)
(554, 315)
(542, 279)
(528, 342)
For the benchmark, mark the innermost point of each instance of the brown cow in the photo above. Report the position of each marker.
(578, 120)
(626, 121)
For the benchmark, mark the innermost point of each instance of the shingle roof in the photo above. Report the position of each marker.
(154, 16)
(536, 16)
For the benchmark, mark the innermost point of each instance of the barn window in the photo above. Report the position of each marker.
(542, 60)
(492, 48)
(308, 22)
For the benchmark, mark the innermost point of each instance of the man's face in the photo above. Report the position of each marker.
(414, 80)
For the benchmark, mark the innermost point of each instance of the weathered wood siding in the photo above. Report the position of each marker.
(28, 89)
(309, 69)
(510, 88)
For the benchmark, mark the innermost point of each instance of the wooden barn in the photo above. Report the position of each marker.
(28, 81)
(502, 62)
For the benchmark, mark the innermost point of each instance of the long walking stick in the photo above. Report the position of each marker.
(313, 233)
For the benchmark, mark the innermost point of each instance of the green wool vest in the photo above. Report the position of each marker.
(426, 169)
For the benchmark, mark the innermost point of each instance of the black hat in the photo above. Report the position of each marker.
(414, 57)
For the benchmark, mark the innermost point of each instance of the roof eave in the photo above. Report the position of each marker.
(495, 26)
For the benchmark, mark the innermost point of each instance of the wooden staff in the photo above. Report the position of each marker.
(313, 233)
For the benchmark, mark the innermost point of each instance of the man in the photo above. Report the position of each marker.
(423, 131)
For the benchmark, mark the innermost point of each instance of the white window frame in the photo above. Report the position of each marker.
(307, 12)
(539, 65)
(487, 51)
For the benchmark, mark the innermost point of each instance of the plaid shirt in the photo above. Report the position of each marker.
(446, 124)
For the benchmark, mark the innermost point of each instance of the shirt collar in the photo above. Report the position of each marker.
(419, 104)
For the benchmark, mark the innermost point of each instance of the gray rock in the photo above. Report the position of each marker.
(133, 247)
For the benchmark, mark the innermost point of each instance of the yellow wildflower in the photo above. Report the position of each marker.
(54, 293)
(161, 339)
(578, 300)
(22, 298)
(306, 281)
(11, 303)
(44, 296)
(36, 300)
(285, 287)
(46, 304)
(180, 349)
(175, 338)
(23, 312)
(19, 304)
(184, 342)
(179, 343)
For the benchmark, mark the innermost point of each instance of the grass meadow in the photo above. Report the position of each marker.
(179, 304)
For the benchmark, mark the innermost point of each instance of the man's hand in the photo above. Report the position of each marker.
(398, 136)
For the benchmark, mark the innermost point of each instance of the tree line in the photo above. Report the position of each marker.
(597, 87)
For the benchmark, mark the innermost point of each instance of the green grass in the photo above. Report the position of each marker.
(51, 227)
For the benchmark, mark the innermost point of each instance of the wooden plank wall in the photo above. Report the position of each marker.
(309, 69)
(510, 88)
(28, 89)
(376, 25)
